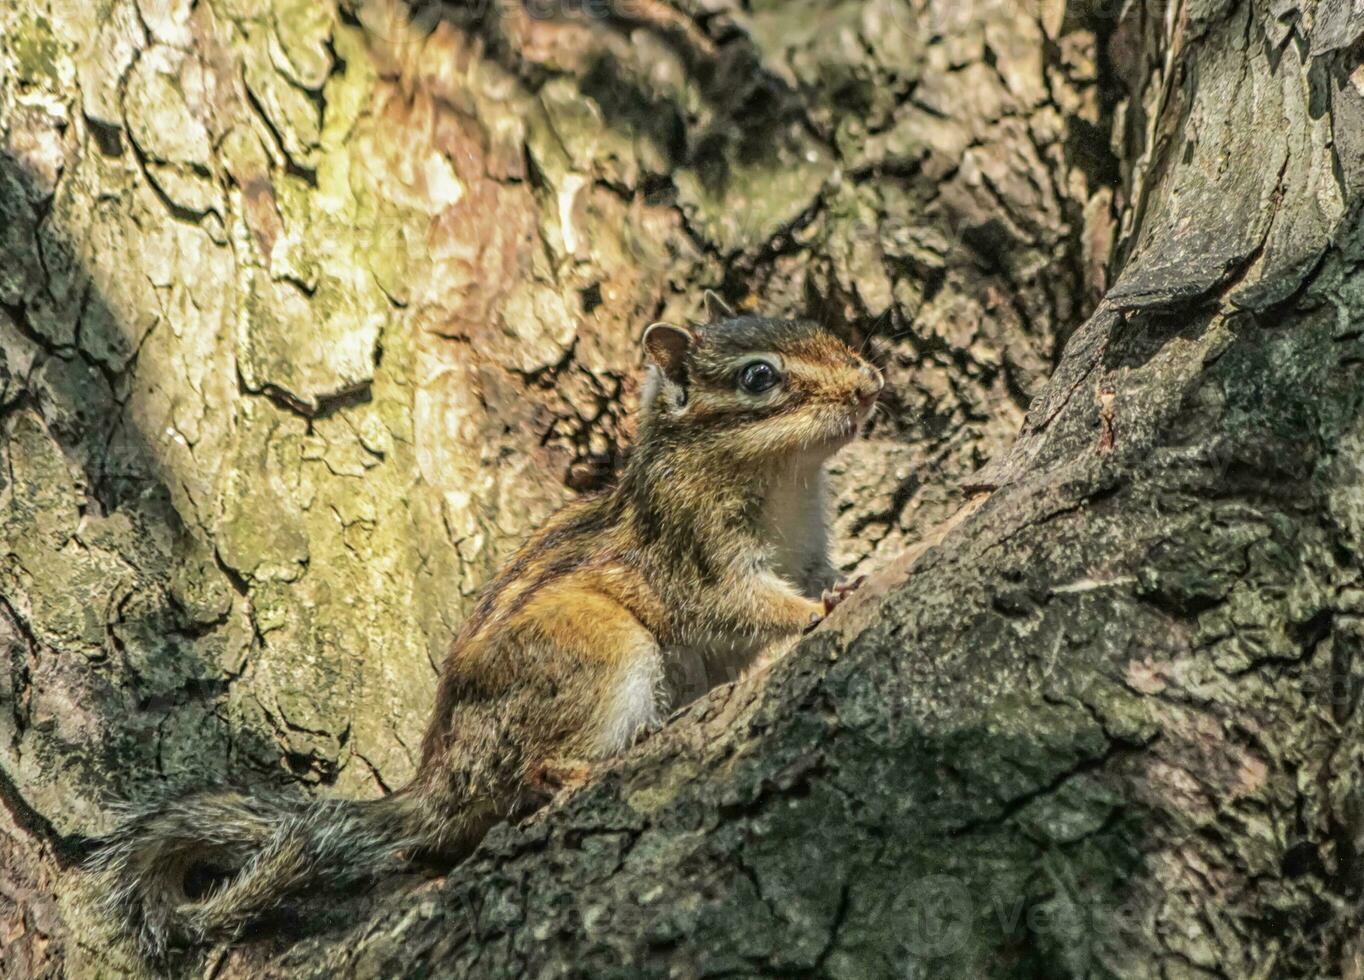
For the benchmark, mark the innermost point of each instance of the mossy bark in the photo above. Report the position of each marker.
(308, 311)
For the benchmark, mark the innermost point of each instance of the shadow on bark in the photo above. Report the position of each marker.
(133, 665)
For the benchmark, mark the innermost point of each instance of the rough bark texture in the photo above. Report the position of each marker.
(308, 312)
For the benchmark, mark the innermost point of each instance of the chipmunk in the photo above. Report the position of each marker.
(709, 549)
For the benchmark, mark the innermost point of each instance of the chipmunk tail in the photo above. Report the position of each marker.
(206, 866)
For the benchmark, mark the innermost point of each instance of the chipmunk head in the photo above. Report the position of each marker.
(756, 389)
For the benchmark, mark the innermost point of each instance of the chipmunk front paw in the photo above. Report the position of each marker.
(834, 597)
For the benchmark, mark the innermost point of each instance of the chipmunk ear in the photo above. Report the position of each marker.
(716, 307)
(667, 346)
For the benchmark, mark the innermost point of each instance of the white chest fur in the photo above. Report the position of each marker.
(795, 523)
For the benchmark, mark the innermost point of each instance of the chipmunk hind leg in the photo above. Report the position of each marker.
(629, 707)
(611, 685)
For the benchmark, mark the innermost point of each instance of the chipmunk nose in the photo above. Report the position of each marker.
(869, 386)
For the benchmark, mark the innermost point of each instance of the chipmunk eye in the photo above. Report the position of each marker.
(757, 377)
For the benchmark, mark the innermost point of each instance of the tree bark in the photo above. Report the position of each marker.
(308, 312)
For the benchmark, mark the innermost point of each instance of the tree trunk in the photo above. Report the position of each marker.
(308, 312)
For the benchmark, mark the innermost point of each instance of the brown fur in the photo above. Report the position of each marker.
(574, 649)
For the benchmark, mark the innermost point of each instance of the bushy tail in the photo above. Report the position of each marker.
(205, 866)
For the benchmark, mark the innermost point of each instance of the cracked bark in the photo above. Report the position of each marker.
(299, 305)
